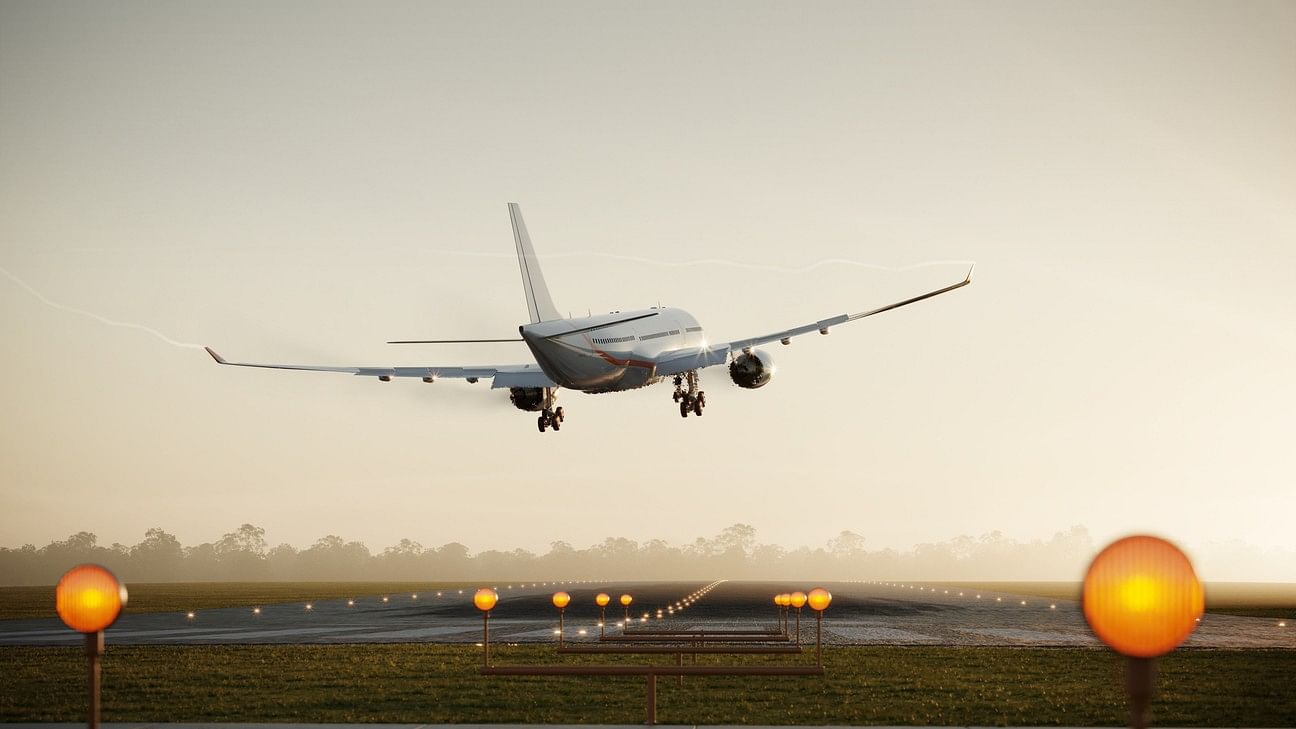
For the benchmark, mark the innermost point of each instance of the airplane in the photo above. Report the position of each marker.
(604, 352)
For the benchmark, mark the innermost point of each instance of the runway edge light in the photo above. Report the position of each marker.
(88, 599)
(1143, 599)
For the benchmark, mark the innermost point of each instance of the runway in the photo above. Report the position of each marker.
(861, 613)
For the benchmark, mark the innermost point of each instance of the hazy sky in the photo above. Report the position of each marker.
(301, 181)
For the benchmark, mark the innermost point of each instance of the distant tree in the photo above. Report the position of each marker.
(159, 558)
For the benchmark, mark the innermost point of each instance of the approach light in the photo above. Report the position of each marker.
(485, 599)
(310, 606)
(189, 615)
(350, 603)
(797, 599)
(602, 599)
(1142, 597)
(256, 611)
(819, 599)
(384, 598)
(1052, 607)
(414, 596)
(88, 598)
(561, 599)
(626, 599)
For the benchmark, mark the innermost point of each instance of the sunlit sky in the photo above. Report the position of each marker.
(300, 182)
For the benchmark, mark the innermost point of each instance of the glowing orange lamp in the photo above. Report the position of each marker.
(819, 599)
(1143, 599)
(485, 600)
(626, 599)
(560, 601)
(88, 598)
(602, 599)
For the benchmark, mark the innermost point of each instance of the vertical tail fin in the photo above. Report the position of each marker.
(539, 305)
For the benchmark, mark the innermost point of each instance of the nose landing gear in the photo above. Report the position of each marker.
(687, 394)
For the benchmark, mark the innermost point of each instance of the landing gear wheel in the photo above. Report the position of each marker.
(684, 408)
(556, 423)
(677, 395)
(543, 422)
(697, 407)
(559, 416)
(702, 398)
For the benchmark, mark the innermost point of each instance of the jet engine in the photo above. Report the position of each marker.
(531, 399)
(751, 369)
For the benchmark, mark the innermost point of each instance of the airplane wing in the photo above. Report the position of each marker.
(672, 363)
(518, 375)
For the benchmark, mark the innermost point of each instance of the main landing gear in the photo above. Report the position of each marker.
(691, 400)
(551, 418)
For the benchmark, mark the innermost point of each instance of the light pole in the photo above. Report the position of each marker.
(819, 599)
(89, 598)
(560, 600)
(785, 599)
(1142, 598)
(485, 600)
(626, 599)
(798, 599)
(602, 599)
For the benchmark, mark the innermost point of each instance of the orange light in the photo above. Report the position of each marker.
(798, 599)
(485, 599)
(626, 599)
(778, 600)
(89, 598)
(560, 600)
(1142, 597)
(819, 598)
(602, 599)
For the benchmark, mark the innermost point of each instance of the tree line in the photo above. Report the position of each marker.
(245, 554)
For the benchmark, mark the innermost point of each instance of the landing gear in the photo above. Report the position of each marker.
(687, 394)
(551, 419)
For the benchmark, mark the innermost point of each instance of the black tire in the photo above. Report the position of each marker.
(702, 398)
(559, 415)
(684, 409)
(541, 422)
(697, 407)
(556, 424)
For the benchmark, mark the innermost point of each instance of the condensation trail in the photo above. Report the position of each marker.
(91, 315)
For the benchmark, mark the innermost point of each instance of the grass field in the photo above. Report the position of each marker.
(1249, 599)
(438, 683)
(38, 601)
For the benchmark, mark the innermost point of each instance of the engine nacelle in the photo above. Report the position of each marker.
(752, 369)
(531, 399)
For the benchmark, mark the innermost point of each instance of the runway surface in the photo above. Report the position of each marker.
(861, 614)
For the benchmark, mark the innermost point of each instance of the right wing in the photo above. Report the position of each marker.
(676, 362)
(518, 375)
(823, 325)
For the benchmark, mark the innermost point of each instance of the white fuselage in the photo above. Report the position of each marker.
(611, 358)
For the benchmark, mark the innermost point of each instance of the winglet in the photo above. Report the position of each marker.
(969, 276)
(219, 359)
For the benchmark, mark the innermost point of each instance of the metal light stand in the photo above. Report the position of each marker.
(94, 651)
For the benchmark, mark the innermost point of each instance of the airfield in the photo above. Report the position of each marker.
(862, 614)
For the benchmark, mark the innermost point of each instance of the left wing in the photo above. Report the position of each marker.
(518, 375)
(672, 363)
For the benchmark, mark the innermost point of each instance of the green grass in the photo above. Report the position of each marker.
(1248, 599)
(422, 683)
(38, 601)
